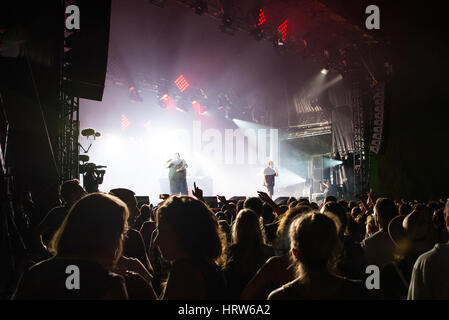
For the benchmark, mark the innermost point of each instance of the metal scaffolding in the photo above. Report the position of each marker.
(68, 117)
(359, 154)
(68, 150)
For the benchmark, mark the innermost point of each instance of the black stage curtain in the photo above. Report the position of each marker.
(342, 131)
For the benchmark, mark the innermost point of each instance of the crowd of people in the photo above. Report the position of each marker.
(104, 246)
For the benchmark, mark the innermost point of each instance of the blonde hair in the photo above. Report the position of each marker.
(282, 233)
(315, 238)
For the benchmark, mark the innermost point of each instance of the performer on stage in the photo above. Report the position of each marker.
(177, 175)
(328, 189)
(269, 175)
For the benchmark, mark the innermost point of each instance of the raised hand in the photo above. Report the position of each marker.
(197, 192)
(264, 196)
(222, 199)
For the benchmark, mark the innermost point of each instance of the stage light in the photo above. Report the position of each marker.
(181, 83)
(333, 162)
(200, 7)
(242, 124)
(164, 101)
(134, 94)
(324, 71)
(283, 30)
(277, 43)
(262, 18)
(201, 110)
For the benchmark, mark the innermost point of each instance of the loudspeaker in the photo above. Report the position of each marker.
(88, 57)
(281, 199)
(237, 198)
(317, 168)
(212, 202)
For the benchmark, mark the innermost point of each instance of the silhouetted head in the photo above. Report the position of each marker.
(344, 204)
(93, 228)
(404, 209)
(330, 199)
(267, 214)
(282, 233)
(384, 211)
(352, 204)
(187, 228)
(71, 191)
(355, 212)
(128, 197)
(247, 230)
(255, 204)
(338, 211)
(314, 242)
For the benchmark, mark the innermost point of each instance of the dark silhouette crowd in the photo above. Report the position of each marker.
(106, 246)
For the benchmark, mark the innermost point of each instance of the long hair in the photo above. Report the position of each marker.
(315, 237)
(196, 227)
(247, 230)
(93, 225)
(248, 240)
(282, 234)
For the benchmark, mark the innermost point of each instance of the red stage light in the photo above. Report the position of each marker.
(262, 19)
(165, 96)
(132, 88)
(181, 83)
(283, 30)
(194, 102)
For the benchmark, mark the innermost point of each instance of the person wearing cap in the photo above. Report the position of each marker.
(412, 234)
(430, 276)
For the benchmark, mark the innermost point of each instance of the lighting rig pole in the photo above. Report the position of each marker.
(68, 150)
